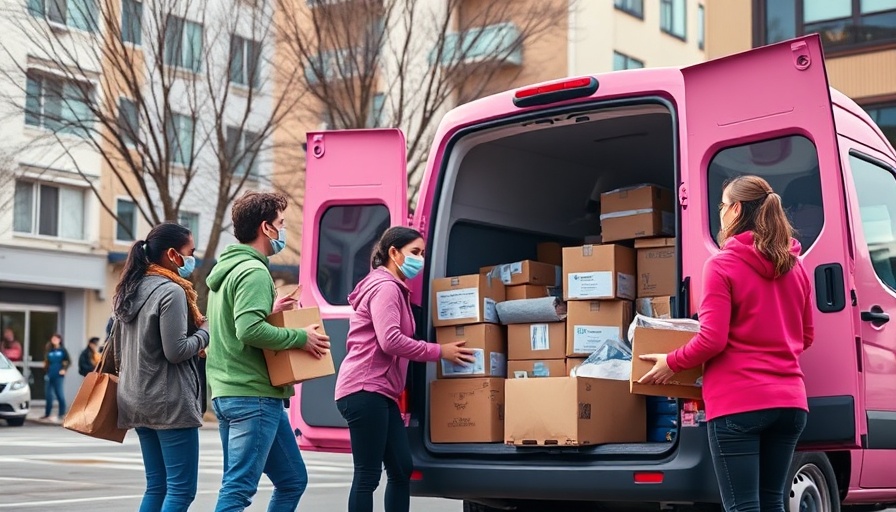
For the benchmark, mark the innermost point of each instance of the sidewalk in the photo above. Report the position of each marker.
(37, 411)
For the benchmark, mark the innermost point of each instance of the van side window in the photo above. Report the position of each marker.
(876, 192)
(790, 165)
(345, 239)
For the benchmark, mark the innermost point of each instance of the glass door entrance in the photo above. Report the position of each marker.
(32, 326)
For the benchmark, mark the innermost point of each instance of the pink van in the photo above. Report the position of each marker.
(517, 168)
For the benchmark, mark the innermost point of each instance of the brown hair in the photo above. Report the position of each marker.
(761, 212)
(253, 208)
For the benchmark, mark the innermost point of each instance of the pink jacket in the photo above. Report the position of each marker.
(753, 328)
(380, 342)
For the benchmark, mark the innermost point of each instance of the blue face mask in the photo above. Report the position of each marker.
(187, 269)
(279, 243)
(412, 266)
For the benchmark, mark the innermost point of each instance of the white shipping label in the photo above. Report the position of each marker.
(589, 285)
(497, 364)
(477, 368)
(539, 337)
(586, 338)
(516, 268)
(505, 274)
(625, 286)
(489, 307)
(457, 304)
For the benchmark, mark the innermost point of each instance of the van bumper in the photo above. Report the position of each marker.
(688, 477)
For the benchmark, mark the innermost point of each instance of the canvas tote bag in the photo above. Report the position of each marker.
(94, 412)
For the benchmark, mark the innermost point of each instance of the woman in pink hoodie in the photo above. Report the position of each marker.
(755, 321)
(379, 345)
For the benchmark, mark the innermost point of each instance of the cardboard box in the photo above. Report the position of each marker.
(489, 346)
(636, 212)
(536, 341)
(569, 411)
(531, 291)
(550, 252)
(466, 410)
(295, 365)
(598, 272)
(524, 272)
(536, 368)
(591, 322)
(572, 362)
(469, 299)
(663, 341)
(657, 263)
(655, 307)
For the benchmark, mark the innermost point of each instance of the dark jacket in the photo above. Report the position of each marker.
(85, 362)
(157, 343)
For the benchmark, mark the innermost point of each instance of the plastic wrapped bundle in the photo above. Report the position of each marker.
(530, 311)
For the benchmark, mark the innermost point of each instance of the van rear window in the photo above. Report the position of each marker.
(790, 165)
(345, 239)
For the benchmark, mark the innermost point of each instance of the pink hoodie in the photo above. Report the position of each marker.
(753, 328)
(379, 342)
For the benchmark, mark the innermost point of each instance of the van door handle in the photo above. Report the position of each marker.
(876, 316)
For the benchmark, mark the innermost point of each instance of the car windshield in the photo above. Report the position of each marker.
(4, 363)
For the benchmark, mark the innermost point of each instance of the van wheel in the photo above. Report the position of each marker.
(813, 484)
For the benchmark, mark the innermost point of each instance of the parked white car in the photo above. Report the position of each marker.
(15, 394)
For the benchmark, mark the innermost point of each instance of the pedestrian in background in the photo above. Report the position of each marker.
(755, 321)
(89, 357)
(10, 346)
(379, 346)
(158, 334)
(56, 362)
(255, 431)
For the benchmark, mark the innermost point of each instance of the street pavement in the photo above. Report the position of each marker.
(46, 467)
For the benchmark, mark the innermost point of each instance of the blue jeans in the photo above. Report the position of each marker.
(751, 453)
(378, 438)
(55, 391)
(257, 438)
(171, 458)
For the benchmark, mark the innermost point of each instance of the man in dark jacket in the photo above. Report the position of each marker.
(90, 356)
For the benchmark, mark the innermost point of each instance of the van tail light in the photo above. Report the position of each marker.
(404, 402)
(556, 91)
(649, 477)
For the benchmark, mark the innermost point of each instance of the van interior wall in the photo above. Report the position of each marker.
(544, 183)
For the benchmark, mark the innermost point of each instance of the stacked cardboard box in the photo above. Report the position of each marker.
(641, 211)
(467, 401)
(657, 261)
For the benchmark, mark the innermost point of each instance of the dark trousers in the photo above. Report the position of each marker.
(751, 453)
(378, 439)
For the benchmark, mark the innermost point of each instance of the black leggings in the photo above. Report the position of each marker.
(379, 439)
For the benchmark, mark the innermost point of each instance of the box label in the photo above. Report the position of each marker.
(586, 338)
(583, 285)
(625, 286)
(539, 369)
(539, 336)
(509, 270)
(475, 368)
(457, 304)
(497, 364)
(489, 307)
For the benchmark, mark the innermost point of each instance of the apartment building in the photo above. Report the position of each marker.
(859, 38)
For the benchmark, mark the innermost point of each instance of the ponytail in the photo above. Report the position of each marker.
(772, 233)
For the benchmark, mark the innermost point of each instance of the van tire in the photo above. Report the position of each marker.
(812, 481)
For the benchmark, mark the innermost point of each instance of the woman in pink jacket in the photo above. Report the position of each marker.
(372, 376)
(755, 321)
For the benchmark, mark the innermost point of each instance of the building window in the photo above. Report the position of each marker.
(132, 21)
(623, 61)
(242, 149)
(500, 43)
(128, 121)
(190, 220)
(375, 117)
(179, 135)
(701, 26)
(183, 43)
(48, 210)
(673, 17)
(633, 7)
(80, 14)
(841, 23)
(57, 104)
(126, 229)
(245, 59)
(885, 117)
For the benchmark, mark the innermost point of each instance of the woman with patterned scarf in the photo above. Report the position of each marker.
(158, 335)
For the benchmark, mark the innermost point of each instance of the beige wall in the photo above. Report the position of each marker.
(729, 27)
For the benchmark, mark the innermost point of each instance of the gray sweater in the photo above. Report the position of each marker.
(158, 343)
